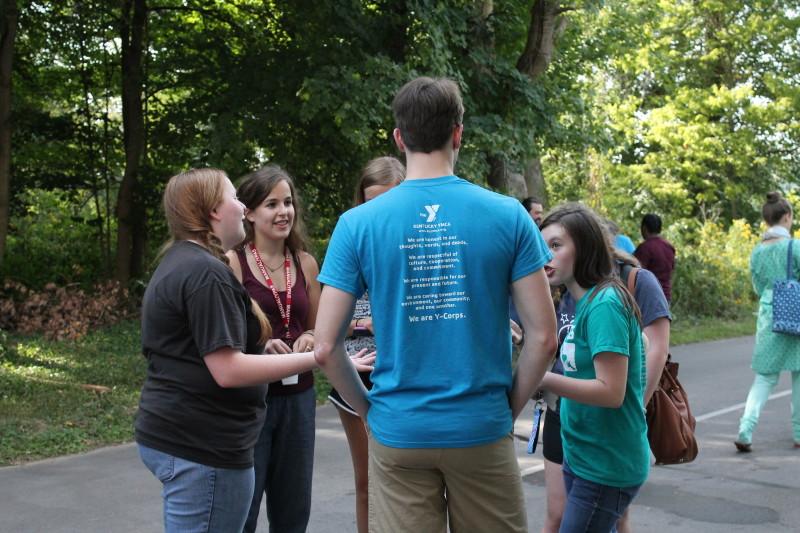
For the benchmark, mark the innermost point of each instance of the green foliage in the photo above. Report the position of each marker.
(712, 274)
(700, 127)
(5, 347)
(54, 239)
(687, 109)
(46, 408)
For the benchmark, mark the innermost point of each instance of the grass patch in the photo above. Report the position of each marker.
(699, 329)
(44, 409)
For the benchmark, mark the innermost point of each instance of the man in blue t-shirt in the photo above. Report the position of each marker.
(439, 257)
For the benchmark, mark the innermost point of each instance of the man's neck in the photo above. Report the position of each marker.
(420, 165)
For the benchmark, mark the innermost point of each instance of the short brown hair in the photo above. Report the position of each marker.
(426, 110)
(385, 170)
(775, 208)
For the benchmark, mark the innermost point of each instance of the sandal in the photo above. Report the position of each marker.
(745, 447)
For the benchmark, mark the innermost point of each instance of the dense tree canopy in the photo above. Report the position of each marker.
(686, 108)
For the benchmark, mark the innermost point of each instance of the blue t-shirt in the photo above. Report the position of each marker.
(438, 256)
(624, 243)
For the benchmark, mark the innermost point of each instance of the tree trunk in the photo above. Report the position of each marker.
(8, 31)
(534, 180)
(132, 26)
(545, 26)
(542, 32)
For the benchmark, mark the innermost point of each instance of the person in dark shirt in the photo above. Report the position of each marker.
(202, 402)
(656, 254)
(535, 209)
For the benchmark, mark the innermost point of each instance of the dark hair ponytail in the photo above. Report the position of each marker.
(775, 208)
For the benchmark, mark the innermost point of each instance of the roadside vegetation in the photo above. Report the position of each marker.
(59, 397)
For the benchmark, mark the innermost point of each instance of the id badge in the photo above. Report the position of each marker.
(538, 409)
(291, 380)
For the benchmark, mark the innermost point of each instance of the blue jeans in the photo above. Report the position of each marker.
(592, 507)
(284, 462)
(199, 498)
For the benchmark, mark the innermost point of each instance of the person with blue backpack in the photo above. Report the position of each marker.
(774, 352)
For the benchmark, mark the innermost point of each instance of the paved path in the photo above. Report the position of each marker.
(108, 490)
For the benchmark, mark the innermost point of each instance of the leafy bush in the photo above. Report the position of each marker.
(55, 239)
(712, 273)
(62, 312)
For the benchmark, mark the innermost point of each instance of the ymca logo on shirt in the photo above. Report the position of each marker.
(430, 212)
(568, 352)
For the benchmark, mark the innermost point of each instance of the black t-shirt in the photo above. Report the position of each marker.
(193, 306)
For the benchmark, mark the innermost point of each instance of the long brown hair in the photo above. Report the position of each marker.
(384, 170)
(594, 256)
(255, 187)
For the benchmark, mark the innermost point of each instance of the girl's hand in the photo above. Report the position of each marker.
(516, 333)
(277, 346)
(363, 361)
(304, 343)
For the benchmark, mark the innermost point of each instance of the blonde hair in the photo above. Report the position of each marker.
(385, 170)
(189, 198)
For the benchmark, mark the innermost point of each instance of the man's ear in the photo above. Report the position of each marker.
(457, 132)
(398, 140)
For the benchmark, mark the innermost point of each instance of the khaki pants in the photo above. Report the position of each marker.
(416, 490)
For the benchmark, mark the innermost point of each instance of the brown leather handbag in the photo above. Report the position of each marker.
(670, 424)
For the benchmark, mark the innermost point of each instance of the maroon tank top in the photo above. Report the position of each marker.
(297, 322)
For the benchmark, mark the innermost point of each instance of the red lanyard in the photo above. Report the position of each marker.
(287, 265)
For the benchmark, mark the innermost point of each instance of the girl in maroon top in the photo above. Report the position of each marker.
(281, 277)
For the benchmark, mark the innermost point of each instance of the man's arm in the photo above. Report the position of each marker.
(657, 350)
(532, 299)
(333, 318)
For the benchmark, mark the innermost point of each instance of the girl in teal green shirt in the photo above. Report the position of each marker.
(604, 432)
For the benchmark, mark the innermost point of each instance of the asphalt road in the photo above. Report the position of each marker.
(108, 490)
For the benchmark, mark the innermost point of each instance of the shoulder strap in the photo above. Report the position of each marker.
(630, 277)
(241, 254)
(300, 272)
(789, 260)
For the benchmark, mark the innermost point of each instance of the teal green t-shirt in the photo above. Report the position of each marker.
(601, 444)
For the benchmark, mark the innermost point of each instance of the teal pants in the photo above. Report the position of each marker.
(757, 397)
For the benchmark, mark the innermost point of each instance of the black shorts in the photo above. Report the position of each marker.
(551, 438)
(337, 400)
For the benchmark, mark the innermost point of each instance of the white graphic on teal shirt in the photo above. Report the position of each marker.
(568, 353)
(431, 211)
